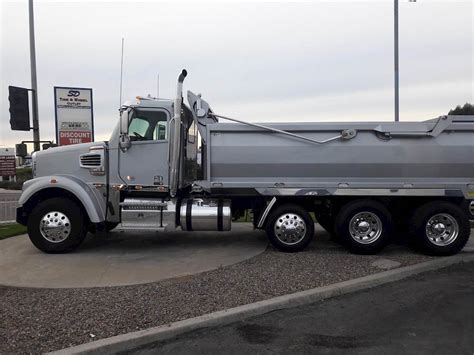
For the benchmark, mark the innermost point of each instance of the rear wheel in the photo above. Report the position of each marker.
(57, 225)
(440, 228)
(290, 228)
(364, 226)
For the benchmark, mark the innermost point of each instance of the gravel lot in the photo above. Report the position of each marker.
(39, 320)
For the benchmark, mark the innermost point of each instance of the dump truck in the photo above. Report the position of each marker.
(170, 166)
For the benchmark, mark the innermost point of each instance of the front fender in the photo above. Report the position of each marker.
(83, 192)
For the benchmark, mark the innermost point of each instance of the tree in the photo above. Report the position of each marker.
(467, 109)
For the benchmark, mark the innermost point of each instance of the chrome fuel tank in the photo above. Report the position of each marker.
(205, 215)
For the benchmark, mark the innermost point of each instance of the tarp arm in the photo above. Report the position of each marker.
(346, 134)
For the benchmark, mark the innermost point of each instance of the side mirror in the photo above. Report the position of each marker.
(124, 119)
(124, 138)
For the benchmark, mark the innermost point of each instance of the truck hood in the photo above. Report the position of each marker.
(64, 160)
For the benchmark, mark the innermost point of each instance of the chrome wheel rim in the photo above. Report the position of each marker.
(365, 227)
(55, 227)
(290, 228)
(442, 229)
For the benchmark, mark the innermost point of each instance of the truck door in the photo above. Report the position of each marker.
(145, 163)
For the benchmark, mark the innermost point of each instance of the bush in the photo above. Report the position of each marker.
(11, 185)
(22, 175)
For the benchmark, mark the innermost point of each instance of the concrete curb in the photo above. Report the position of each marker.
(133, 340)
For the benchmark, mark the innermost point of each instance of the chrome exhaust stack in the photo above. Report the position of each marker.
(175, 137)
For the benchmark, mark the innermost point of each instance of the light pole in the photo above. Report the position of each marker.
(397, 88)
(34, 84)
(396, 71)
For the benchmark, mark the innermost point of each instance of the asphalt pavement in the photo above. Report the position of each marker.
(432, 313)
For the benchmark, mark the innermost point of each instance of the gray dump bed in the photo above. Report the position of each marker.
(434, 157)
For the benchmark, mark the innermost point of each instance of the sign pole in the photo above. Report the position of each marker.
(34, 84)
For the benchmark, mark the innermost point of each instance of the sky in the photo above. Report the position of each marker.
(255, 61)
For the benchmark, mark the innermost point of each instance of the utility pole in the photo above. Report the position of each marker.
(397, 98)
(397, 82)
(34, 84)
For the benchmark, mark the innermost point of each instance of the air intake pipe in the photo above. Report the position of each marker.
(175, 141)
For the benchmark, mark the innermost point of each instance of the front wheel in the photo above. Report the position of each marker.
(57, 225)
(440, 228)
(290, 228)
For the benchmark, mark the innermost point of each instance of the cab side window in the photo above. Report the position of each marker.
(138, 127)
(148, 125)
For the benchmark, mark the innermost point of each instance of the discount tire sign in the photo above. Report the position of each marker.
(74, 115)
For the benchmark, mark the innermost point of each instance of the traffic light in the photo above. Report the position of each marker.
(19, 108)
(21, 150)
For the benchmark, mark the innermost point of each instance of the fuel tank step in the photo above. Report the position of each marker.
(148, 214)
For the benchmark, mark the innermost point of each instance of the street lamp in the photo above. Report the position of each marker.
(397, 83)
(34, 84)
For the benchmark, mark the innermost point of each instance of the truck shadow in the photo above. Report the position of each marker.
(242, 235)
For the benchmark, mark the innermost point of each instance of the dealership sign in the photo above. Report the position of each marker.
(7, 162)
(74, 115)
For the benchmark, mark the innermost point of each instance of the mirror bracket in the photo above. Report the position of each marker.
(124, 142)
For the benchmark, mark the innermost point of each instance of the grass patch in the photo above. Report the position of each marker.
(10, 230)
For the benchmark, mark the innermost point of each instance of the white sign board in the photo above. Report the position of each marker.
(74, 115)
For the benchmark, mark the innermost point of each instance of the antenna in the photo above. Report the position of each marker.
(121, 75)
(158, 86)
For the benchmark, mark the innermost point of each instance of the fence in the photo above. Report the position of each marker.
(8, 204)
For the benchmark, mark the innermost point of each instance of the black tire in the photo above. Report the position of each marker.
(420, 219)
(287, 210)
(369, 211)
(77, 222)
